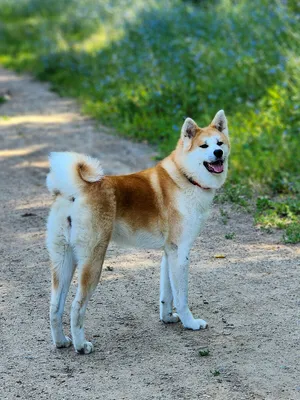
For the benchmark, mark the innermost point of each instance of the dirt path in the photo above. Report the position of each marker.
(251, 298)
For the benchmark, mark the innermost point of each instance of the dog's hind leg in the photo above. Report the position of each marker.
(62, 269)
(89, 271)
(166, 296)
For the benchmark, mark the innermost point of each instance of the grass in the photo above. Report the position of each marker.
(143, 66)
(280, 214)
(215, 372)
(230, 235)
(204, 352)
(224, 216)
(292, 233)
(239, 194)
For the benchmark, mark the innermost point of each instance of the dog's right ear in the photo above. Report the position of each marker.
(188, 132)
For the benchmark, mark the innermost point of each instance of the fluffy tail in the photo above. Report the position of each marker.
(71, 172)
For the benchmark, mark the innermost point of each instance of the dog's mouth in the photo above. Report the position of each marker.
(215, 167)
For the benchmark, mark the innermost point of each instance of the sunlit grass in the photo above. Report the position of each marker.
(98, 40)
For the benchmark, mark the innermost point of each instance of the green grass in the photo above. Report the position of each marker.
(204, 352)
(239, 194)
(284, 214)
(224, 216)
(230, 235)
(142, 67)
(292, 233)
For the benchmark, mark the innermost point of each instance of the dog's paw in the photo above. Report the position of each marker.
(65, 343)
(170, 318)
(197, 324)
(85, 348)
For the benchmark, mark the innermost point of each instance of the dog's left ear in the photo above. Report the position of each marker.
(220, 122)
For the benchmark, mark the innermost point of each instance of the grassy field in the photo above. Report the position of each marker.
(144, 66)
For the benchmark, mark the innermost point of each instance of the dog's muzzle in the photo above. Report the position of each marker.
(215, 167)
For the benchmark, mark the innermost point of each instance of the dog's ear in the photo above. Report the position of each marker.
(220, 122)
(188, 132)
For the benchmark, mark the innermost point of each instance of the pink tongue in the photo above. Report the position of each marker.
(217, 167)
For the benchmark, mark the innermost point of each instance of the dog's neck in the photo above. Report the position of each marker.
(196, 183)
(179, 176)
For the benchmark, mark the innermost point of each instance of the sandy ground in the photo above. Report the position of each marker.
(251, 298)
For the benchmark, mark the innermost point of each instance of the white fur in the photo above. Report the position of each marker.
(68, 246)
(77, 242)
(194, 205)
(123, 235)
(63, 262)
(193, 160)
(63, 176)
(166, 296)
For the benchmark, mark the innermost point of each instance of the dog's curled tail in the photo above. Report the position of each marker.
(71, 172)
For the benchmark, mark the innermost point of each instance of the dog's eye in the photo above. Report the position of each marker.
(204, 146)
(219, 143)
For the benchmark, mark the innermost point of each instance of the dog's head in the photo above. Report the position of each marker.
(202, 153)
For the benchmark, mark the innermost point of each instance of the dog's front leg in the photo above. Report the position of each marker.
(166, 296)
(178, 259)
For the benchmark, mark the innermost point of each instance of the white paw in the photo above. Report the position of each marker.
(196, 324)
(65, 343)
(84, 348)
(170, 318)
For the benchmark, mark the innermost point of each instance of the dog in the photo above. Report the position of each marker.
(163, 207)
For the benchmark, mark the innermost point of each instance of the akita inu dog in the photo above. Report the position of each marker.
(163, 207)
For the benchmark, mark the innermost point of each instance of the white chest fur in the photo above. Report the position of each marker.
(194, 207)
(124, 235)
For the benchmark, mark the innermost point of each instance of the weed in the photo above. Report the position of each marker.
(230, 235)
(204, 352)
(235, 193)
(266, 229)
(215, 372)
(224, 216)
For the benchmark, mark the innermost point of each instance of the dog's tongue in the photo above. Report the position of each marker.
(217, 167)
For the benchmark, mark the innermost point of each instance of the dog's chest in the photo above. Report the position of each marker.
(194, 207)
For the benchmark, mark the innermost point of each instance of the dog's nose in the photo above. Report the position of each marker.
(218, 153)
